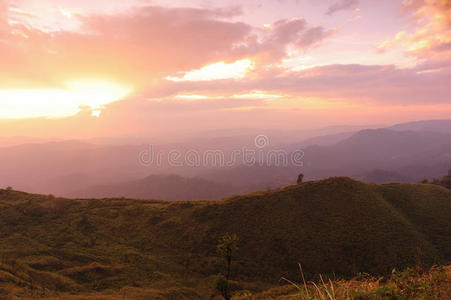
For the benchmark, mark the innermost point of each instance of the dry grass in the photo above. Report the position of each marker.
(409, 284)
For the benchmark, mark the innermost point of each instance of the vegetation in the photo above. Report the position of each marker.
(300, 178)
(226, 248)
(130, 249)
(445, 181)
(411, 283)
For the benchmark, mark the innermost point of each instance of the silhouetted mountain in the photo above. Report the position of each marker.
(162, 187)
(324, 140)
(398, 155)
(51, 167)
(426, 125)
(252, 178)
(444, 181)
(380, 149)
(64, 167)
(382, 176)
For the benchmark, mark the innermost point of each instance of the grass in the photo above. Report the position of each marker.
(337, 227)
(411, 283)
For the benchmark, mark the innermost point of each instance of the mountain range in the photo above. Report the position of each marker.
(407, 152)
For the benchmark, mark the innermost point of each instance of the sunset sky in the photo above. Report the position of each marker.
(79, 68)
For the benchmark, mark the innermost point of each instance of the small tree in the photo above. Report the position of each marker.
(300, 178)
(227, 246)
(8, 190)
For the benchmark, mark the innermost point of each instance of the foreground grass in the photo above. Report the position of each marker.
(409, 284)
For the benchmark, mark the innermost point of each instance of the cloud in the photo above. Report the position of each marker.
(327, 94)
(144, 44)
(313, 36)
(342, 5)
(272, 44)
(429, 38)
(154, 40)
(138, 46)
(296, 32)
(359, 84)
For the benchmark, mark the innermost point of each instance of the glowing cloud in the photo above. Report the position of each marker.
(257, 94)
(220, 70)
(431, 37)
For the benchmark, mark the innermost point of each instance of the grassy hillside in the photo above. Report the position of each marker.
(336, 227)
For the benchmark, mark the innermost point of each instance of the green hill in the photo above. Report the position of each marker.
(337, 227)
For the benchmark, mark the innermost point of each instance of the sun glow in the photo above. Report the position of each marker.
(59, 103)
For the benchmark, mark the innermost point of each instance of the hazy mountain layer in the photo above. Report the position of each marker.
(379, 155)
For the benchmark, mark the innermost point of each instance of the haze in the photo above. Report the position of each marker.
(87, 87)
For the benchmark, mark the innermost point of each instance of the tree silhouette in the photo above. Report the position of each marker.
(300, 178)
(227, 246)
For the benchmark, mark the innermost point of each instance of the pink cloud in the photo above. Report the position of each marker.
(359, 84)
(342, 5)
(429, 35)
(136, 46)
(270, 46)
(145, 44)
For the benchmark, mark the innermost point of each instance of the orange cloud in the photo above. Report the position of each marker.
(135, 47)
(431, 38)
(210, 56)
(142, 45)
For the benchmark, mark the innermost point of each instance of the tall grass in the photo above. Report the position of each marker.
(412, 283)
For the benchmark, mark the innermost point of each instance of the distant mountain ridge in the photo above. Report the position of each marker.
(382, 149)
(425, 125)
(414, 151)
(161, 187)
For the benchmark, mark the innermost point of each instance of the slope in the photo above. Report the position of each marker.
(336, 226)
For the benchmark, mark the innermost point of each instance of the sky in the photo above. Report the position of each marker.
(157, 67)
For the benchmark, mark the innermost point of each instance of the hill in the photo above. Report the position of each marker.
(373, 155)
(381, 176)
(336, 227)
(415, 155)
(164, 187)
(80, 166)
(444, 181)
(424, 125)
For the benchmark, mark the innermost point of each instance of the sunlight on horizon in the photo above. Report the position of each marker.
(60, 103)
